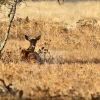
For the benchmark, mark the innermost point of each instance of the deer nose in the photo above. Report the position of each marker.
(33, 46)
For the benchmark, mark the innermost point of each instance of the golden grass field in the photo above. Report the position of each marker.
(71, 33)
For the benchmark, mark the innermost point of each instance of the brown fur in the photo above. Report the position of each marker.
(32, 57)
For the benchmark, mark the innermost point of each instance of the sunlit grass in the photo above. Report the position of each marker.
(74, 62)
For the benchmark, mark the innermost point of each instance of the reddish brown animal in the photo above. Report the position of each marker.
(29, 54)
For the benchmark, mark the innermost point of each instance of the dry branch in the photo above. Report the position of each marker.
(11, 17)
(8, 88)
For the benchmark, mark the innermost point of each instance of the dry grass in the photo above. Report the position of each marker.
(71, 70)
(68, 12)
(70, 80)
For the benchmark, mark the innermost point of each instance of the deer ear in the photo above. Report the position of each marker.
(27, 38)
(38, 37)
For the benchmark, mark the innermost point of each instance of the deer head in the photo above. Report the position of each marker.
(32, 42)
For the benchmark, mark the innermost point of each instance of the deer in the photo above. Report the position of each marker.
(30, 55)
